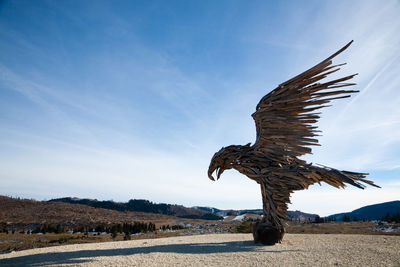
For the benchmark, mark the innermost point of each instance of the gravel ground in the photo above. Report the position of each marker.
(220, 250)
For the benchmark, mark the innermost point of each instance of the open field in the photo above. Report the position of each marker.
(220, 250)
(361, 228)
(17, 241)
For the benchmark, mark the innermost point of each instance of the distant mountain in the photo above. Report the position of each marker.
(143, 205)
(292, 214)
(208, 209)
(371, 212)
(230, 212)
(301, 215)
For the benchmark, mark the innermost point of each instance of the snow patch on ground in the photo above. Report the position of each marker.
(389, 229)
(239, 218)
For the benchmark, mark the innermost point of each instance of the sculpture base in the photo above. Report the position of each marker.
(267, 234)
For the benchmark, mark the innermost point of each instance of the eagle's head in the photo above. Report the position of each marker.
(225, 159)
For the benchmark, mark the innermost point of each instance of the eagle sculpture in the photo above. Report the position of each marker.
(285, 122)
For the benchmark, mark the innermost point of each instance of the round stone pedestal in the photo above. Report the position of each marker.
(267, 234)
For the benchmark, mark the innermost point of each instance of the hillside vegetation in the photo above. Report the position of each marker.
(142, 205)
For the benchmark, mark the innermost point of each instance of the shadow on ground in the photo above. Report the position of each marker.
(82, 256)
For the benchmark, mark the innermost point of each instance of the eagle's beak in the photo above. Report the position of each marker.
(218, 171)
(210, 171)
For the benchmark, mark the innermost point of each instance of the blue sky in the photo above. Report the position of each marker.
(130, 99)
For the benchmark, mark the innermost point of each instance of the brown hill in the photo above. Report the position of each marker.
(23, 211)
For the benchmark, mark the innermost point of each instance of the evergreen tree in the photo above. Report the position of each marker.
(127, 236)
(346, 218)
(114, 232)
(386, 218)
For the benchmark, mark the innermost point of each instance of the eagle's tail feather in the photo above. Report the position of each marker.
(338, 178)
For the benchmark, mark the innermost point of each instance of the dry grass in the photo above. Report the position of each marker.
(360, 228)
(17, 241)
